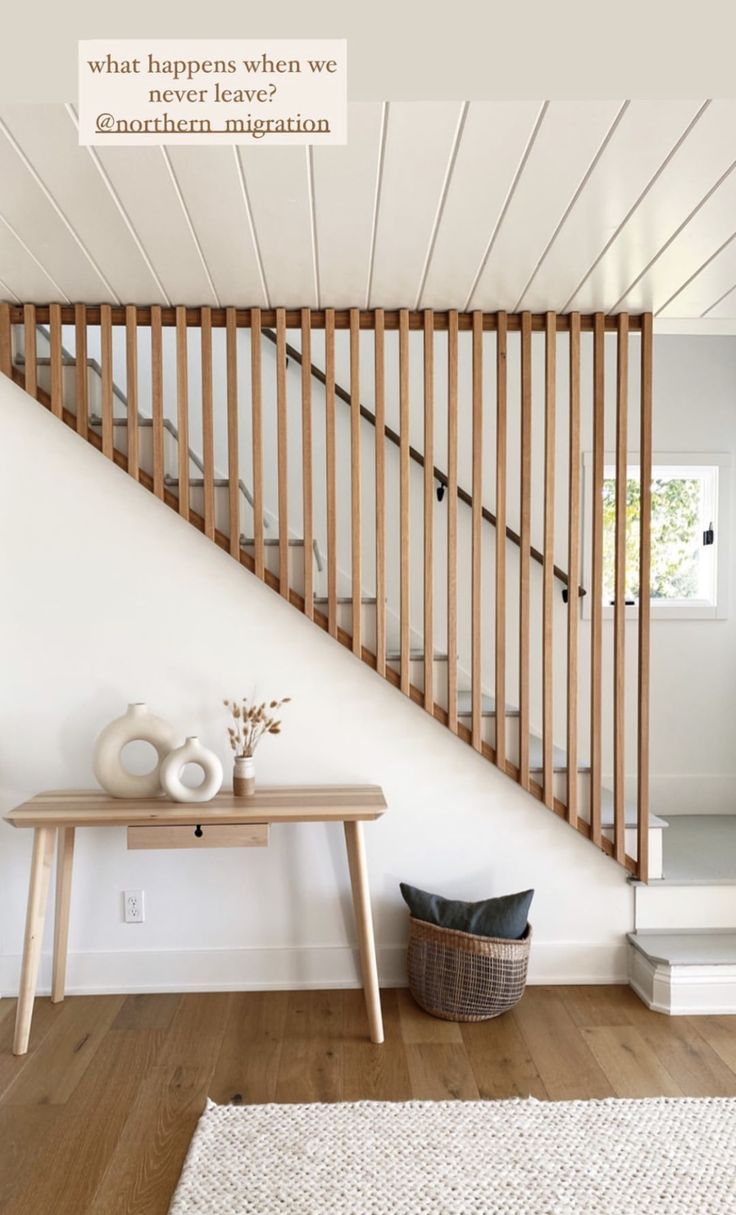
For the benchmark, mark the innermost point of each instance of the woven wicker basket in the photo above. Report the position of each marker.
(462, 977)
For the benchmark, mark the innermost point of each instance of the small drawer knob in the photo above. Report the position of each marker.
(198, 831)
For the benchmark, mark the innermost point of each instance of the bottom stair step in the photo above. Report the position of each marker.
(685, 972)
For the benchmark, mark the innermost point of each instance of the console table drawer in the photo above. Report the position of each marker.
(208, 835)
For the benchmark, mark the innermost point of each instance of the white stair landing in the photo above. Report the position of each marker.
(684, 973)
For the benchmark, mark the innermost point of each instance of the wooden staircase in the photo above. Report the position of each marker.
(451, 621)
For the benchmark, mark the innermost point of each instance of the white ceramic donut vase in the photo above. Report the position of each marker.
(191, 753)
(137, 724)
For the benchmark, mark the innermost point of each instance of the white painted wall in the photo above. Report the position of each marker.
(108, 598)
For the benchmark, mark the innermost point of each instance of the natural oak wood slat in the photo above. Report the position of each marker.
(428, 613)
(550, 372)
(341, 316)
(157, 400)
(182, 411)
(645, 541)
(233, 462)
(379, 377)
(30, 352)
(81, 385)
(476, 533)
(107, 379)
(307, 489)
(355, 498)
(257, 438)
(208, 425)
(452, 380)
(282, 454)
(524, 545)
(619, 608)
(596, 580)
(573, 569)
(6, 337)
(405, 502)
(131, 387)
(500, 545)
(331, 472)
(57, 381)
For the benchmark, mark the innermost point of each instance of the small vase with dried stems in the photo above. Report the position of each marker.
(250, 723)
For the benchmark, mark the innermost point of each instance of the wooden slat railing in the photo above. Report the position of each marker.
(550, 389)
(307, 491)
(573, 568)
(500, 563)
(596, 581)
(525, 506)
(477, 639)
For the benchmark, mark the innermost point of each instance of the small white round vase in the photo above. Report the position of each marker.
(137, 724)
(193, 752)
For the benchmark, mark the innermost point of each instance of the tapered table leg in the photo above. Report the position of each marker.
(38, 891)
(64, 862)
(364, 925)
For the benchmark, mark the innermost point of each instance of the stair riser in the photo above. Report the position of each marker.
(69, 387)
(145, 448)
(685, 907)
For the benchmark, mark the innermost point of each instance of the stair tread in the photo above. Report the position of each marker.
(197, 482)
(415, 655)
(323, 599)
(119, 420)
(687, 948)
(270, 541)
(488, 705)
(559, 757)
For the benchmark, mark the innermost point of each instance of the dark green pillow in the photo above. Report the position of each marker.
(504, 917)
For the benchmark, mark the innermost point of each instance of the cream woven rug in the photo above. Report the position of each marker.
(669, 1156)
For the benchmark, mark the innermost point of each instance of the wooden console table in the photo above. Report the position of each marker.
(225, 822)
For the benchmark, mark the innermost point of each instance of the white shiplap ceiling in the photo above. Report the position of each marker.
(597, 205)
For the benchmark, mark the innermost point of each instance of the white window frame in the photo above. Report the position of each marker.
(684, 610)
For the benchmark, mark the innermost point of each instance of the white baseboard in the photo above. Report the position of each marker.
(681, 991)
(289, 968)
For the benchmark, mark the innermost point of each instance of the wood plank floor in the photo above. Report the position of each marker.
(97, 1117)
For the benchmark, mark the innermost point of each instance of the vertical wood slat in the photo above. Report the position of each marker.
(619, 608)
(182, 410)
(428, 628)
(233, 462)
(524, 545)
(106, 364)
(81, 387)
(548, 575)
(282, 455)
(307, 495)
(379, 390)
(257, 431)
(596, 579)
(330, 471)
(355, 503)
(57, 383)
(476, 533)
(404, 500)
(30, 352)
(501, 457)
(645, 512)
(131, 388)
(573, 570)
(452, 376)
(208, 435)
(157, 400)
(6, 341)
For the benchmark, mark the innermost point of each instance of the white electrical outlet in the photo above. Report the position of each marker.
(133, 907)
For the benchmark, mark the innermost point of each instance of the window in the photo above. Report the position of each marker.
(689, 514)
